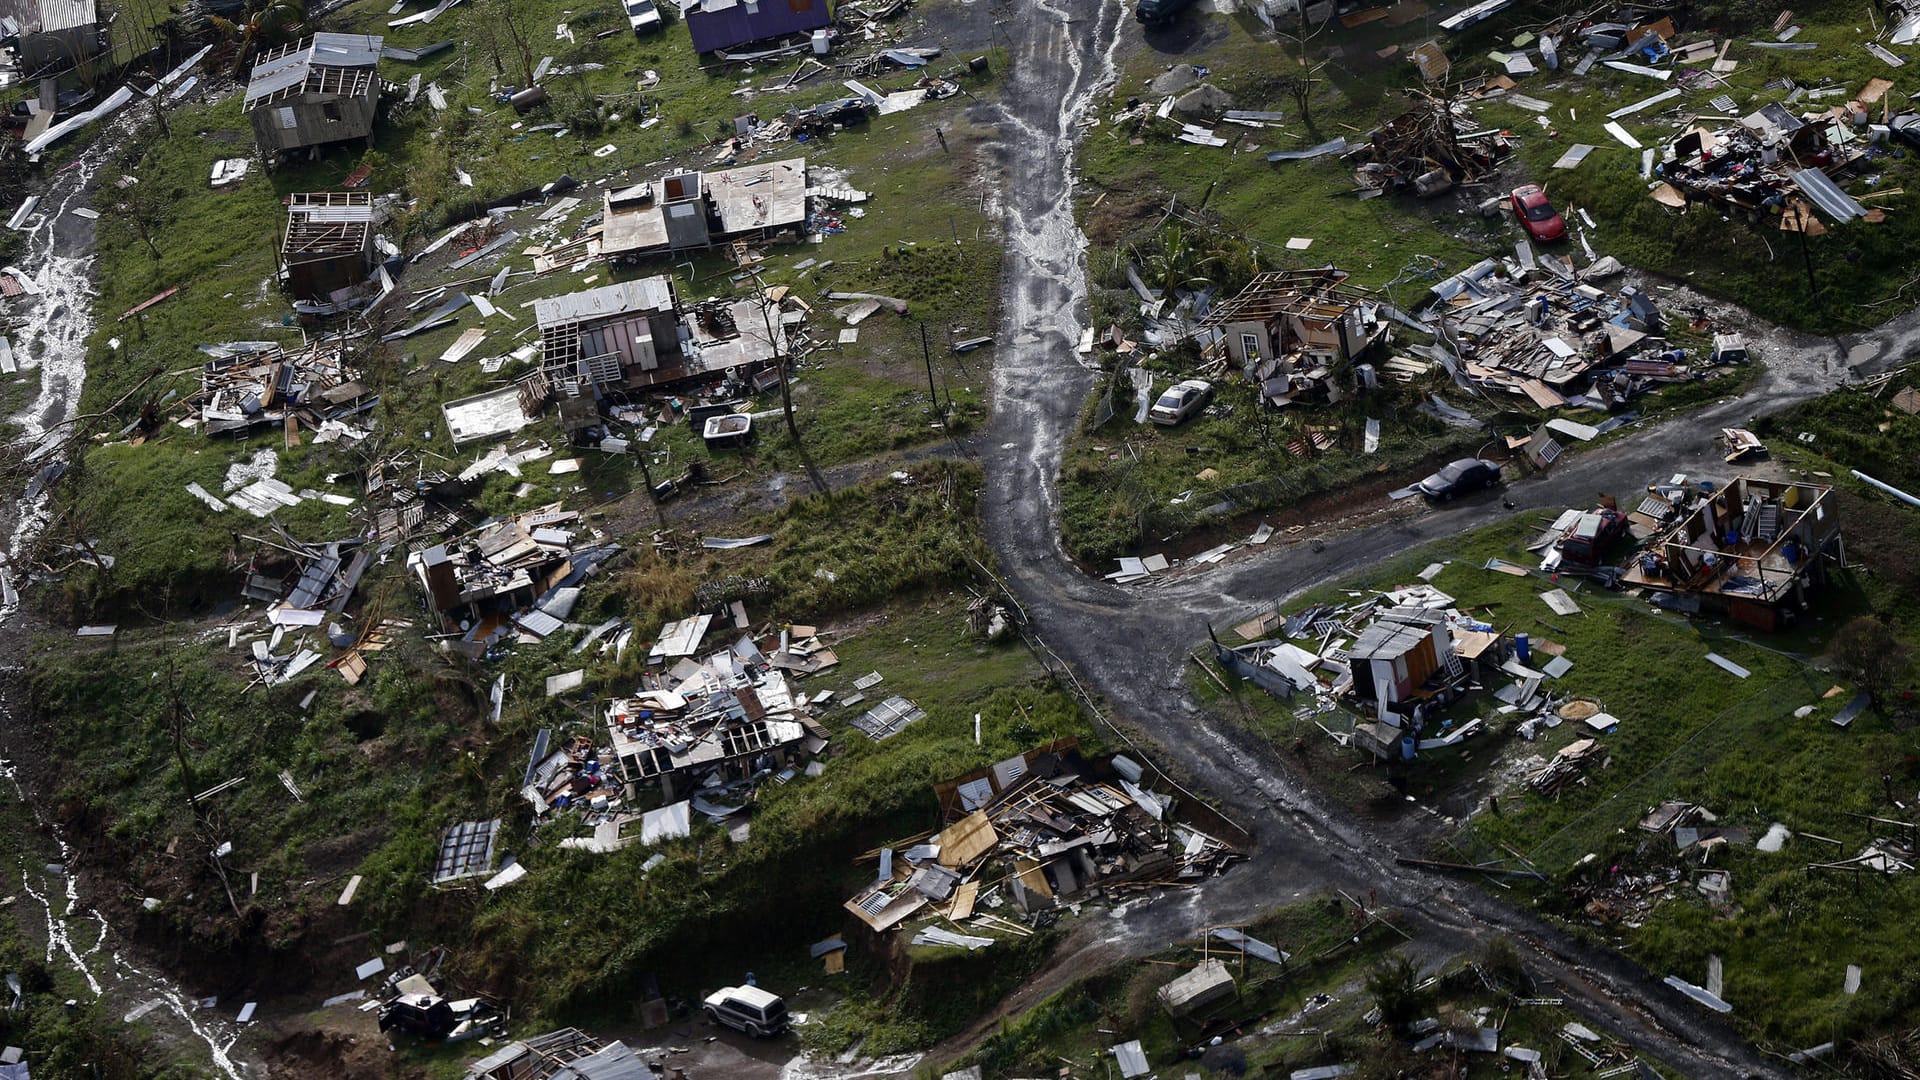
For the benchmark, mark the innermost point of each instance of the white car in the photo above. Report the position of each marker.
(643, 16)
(747, 1008)
(1181, 400)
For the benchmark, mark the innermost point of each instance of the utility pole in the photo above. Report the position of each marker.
(926, 351)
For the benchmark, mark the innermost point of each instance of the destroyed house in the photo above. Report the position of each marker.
(1536, 328)
(313, 386)
(518, 576)
(50, 36)
(688, 210)
(715, 25)
(716, 736)
(1771, 161)
(1045, 827)
(329, 242)
(1288, 328)
(1753, 549)
(632, 336)
(322, 90)
(592, 340)
(1404, 657)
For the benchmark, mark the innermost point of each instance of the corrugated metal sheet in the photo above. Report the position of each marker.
(321, 50)
(614, 1062)
(607, 301)
(1827, 195)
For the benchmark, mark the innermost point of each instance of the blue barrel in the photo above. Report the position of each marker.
(1521, 649)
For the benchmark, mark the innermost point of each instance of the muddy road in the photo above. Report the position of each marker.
(1130, 644)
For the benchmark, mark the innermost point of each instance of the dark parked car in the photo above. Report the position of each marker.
(1462, 477)
(1536, 215)
(1159, 12)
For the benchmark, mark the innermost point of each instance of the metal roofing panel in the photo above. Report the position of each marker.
(1132, 1058)
(66, 14)
(1827, 195)
(612, 1062)
(607, 301)
(346, 50)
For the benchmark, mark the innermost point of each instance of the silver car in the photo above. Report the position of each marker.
(1181, 400)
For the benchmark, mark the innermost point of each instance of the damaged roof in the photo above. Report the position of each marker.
(306, 66)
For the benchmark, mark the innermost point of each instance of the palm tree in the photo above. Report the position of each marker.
(271, 23)
(1175, 263)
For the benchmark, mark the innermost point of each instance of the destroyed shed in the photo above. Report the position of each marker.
(715, 25)
(329, 243)
(688, 210)
(322, 90)
(50, 36)
(314, 388)
(1754, 549)
(1428, 149)
(1289, 328)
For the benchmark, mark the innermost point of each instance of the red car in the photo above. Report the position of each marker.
(1536, 215)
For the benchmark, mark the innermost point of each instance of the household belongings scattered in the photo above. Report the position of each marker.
(1038, 829)
(1752, 548)
(700, 734)
(1774, 161)
(513, 577)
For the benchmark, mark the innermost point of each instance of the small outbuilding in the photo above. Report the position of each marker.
(316, 92)
(50, 36)
(1203, 985)
(716, 25)
(329, 242)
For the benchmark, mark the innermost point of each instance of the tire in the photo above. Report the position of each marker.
(753, 1029)
(713, 1015)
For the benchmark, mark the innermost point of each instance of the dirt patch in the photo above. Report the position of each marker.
(341, 1047)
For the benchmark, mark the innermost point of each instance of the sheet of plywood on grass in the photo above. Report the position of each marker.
(967, 839)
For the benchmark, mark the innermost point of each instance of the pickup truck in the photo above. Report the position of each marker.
(643, 16)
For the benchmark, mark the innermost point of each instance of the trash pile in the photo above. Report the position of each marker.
(410, 1003)
(302, 582)
(1427, 150)
(314, 388)
(1037, 830)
